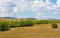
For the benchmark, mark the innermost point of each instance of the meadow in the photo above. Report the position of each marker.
(29, 28)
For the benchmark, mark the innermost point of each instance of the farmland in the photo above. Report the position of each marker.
(30, 29)
(37, 31)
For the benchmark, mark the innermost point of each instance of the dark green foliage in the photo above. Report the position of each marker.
(4, 27)
(14, 24)
(41, 22)
(29, 23)
(54, 25)
(26, 23)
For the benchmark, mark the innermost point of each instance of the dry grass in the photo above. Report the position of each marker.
(37, 31)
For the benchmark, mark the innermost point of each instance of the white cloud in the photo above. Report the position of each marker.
(50, 8)
(48, 3)
(55, 13)
(22, 5)
(58, 2)
(3, 14)
(15, 9)
(3, 9)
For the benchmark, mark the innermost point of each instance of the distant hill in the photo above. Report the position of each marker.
(52, 19)
(8, 17)
(26, 18)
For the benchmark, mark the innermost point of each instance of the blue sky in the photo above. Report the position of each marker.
(40, 9)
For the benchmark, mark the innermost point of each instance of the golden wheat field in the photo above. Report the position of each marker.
(36, 31)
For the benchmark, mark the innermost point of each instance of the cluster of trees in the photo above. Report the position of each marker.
(6, 25)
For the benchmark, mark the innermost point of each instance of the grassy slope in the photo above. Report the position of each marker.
(39, 31)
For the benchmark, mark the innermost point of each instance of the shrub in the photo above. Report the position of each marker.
(26, 23)
(54, 25)
(4, 26)
(41, 22)
(29, 23)
(13, 24)
(44, 21)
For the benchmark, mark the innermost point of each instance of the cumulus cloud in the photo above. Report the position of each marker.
(14, 7)
(49, 7)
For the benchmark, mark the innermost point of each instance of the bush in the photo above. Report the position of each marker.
(26, 23)
(13, 24)
(4, 26)
(54, 25)
(41, 22)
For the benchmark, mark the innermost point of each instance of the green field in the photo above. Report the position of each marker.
(36, 31)
(29, 28)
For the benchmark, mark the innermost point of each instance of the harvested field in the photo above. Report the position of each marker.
(36, 31)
